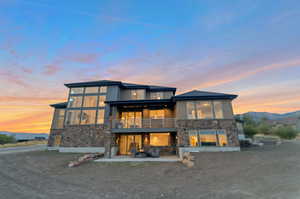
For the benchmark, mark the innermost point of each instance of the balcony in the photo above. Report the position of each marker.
(143, 125)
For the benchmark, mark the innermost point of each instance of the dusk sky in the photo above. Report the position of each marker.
(246, 47)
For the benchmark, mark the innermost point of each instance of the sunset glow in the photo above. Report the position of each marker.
(222, 46)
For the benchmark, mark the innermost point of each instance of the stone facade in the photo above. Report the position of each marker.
(229, 125)
(53, 133)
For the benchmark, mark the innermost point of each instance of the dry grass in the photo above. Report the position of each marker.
(29, 143)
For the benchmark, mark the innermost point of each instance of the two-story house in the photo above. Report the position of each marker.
(109, 116)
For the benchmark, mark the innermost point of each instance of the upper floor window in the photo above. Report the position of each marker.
(103, 89)
(75, 102)
(58, 120)
(204, 109)
(76, 90)
(90, 101)
(91, 89)
(137, 94)
(156, 114)
(156, 95)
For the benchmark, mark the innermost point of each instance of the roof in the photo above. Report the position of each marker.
(121, 84)
(60, 105)
(195, 94)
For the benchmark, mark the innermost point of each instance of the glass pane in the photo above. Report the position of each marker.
(156, 95)
(75, 101)
(73, 117)
(157, 114)
(168, 95)
(102, 99)
(204, 110)
(222, 140)
(60, 119)
(190, 109)
(103, 89)
(100, 119)
(218, 106)
(91, 89)
(208, 140)
(159, 139)
(88, 117)
(137, 94)
(90, 101)
(76, 90)
(193, 140)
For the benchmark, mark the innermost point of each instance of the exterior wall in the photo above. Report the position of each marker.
(53, 133)
(229, 125)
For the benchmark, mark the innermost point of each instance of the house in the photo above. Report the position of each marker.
(112, 116)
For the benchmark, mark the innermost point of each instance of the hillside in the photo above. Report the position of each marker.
(26, 136)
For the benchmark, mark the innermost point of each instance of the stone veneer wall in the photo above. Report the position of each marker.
(53, 133)
(86, 136)
(229, 125)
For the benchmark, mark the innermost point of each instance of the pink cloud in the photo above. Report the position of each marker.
(52, 69)
(13, 78)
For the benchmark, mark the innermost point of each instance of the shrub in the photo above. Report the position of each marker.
(5, 139)
(286, 132)
(264, 128)
(250, 130)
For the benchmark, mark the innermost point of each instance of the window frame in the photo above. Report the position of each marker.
(200, 132)
(195, 110)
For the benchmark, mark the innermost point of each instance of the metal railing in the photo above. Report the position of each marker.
(143, 123)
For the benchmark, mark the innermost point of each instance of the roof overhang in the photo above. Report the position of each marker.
(60, 105)
(182, 98)
(141, 102)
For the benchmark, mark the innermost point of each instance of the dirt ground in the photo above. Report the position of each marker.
(264, 172)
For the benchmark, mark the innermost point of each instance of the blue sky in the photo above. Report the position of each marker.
(250, 48)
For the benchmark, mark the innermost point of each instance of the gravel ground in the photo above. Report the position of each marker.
(265, 172)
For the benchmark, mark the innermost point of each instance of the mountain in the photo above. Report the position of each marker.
(272, 116)
(25, 136)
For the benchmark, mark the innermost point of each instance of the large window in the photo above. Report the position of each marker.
(102, 99)
(91, 89)
(100, 119)
(103, 89)
(75, 102)
(131, 119)
(199, 138)
(137, 94)
(159, 139)
(157, 114)
(73, 117)
(156, 95)
(58, 120)
(76, 90)
(88, 117)
(204, 109)
(90, 101)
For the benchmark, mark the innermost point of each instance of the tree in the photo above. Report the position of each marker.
(250, 130)
(286, 132)
(5, 139)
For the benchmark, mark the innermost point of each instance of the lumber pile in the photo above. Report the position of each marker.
(85, 158)
(188, 159)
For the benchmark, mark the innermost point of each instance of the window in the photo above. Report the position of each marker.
(157, 114)
(131, 119)
(103, 89)
(76, 90)
(207, 138)
(168, 95)
(218, 107)
(204, 109)
(58, 120)
(156, 95)
(90, 101)
(100, 119)
(137, 94)
(91, 89)
(88, 117)
(102, 99)
(75, 102)
(159, 139)
(73, 117)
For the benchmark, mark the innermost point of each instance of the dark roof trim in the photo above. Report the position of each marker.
(231, 97)
(94, 83)
(138, 102)
(60, 105)
(121, 84)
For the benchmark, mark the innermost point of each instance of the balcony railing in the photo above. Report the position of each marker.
(143, 123)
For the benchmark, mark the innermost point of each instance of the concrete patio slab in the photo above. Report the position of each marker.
(130, 159)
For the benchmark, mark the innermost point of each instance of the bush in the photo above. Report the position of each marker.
(5, 139)
(286, 132)
(250, 130)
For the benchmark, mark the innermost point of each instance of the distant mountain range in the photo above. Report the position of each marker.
(26, 136)
(292, 118)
